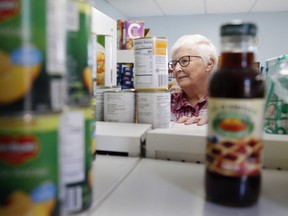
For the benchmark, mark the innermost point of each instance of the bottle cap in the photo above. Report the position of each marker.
(238, 28)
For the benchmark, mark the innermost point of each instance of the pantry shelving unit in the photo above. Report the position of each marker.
(141, 186)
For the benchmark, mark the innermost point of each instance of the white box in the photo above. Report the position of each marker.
(275, 154)
(179, 142)
(121, 137)
(188, 143)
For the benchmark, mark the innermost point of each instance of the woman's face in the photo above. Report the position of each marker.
(195, 74)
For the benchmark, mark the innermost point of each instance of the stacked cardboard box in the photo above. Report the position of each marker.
(127, 31)
(125, 75)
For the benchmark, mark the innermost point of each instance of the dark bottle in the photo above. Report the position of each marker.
(235, 125)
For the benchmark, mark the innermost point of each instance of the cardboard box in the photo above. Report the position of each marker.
(188, 143)
(132, 30)
(122, 138)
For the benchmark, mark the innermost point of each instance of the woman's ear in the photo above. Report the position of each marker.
(210, 65)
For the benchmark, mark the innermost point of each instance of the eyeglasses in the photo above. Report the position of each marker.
(184, 61)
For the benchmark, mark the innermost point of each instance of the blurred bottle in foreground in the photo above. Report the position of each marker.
(235, 124)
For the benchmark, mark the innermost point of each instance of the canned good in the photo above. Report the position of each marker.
(93, 126)
(75, 134)
(151, 59)
(100, 60)
(100, 101)
(29, 165)
(153, 107)
(32, 56)
(119, 106)
(79, 39)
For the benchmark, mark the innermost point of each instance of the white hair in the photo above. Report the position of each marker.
(200, 44)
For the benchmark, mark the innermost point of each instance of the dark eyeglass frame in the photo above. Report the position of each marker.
(172, 64)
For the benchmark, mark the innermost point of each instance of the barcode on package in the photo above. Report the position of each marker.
(57, 92)
(162, 80)
(73, 199)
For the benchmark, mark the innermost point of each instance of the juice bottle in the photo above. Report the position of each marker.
(235, 125)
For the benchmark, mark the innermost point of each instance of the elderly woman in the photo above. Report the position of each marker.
(194, 58)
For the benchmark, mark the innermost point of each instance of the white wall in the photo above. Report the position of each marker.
(107, 9)
(273, 27)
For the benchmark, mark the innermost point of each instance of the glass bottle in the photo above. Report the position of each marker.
(235, 124)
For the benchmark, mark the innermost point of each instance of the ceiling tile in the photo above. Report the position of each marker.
(137, 8)
(143, 8)
(229, 6)
(182, 7)
(270, 6)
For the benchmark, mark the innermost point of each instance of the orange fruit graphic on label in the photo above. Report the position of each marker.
(14, 84)
(87, 78)
(18, 203)
(232, 124)
(5, 64)
(100, 68)
(17, 73)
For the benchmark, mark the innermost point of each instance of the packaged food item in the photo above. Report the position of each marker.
(29, 165)
(119, 106)
(276, 105)
(151, 63)
(100, 101)
(235, 124)
(79, 71)
(100, 59)
(32, 97)
(32, 56)
(120, 34)
(132, 29)
(78, 122)
(75, 140)
(153, 107)
(125, 75)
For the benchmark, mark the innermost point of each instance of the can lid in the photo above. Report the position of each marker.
(238, 28)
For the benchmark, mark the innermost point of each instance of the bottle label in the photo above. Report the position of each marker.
(234, 142)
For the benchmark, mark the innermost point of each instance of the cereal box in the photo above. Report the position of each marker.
(132, 30)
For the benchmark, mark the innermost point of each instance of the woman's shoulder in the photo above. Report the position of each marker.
(177, 97)
(179, 93)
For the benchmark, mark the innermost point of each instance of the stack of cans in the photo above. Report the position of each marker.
(78, 119)
(32, 86)
(151, 82)
(45, 112)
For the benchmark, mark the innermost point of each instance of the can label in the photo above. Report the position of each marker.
(75, 134)
(154, 108)
(32, 55)
(235, 136)
(79, 39)
(29, 165)
(100, 59)
(151, 69)
(119, 106)
(99, 92)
